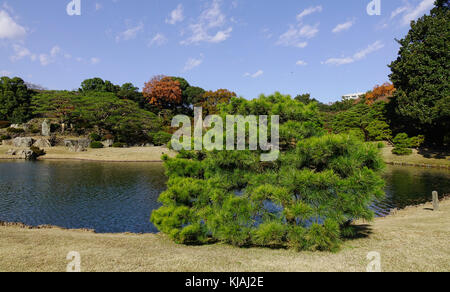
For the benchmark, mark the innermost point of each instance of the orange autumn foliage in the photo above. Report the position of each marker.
(163, 91)
(384, 91)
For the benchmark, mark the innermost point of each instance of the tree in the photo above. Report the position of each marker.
(56, 104)
(421, 74)
(305, 98)
(369, 121)
(98, 85)
(212, 99)
(163, 92)
(15, 99)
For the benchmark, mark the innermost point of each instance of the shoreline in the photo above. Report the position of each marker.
(399, 238)
(153, 155)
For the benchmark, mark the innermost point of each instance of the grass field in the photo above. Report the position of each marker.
(414, 239)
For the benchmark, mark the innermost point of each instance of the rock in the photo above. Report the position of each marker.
(27, 155)
(22, 142)
(77, 148)
(42, 143)
(7, 142)
(19, 127)
(149, 145)
(46, 128)
(108, 143)
(11, 152)
(72, 143)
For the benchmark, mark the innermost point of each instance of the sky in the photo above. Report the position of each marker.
(327, 48)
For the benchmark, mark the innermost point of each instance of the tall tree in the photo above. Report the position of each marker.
(421, 74)
(15, 99)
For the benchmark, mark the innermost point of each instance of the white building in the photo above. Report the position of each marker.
(353, 96)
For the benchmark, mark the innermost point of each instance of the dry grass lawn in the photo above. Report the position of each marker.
(414, 239)
(415, 159)
(133, 154)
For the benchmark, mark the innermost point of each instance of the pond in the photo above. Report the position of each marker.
(119, 197)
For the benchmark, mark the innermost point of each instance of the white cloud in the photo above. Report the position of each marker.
(95, 61)
(176, 15)
(55, 51)
(45, 59)
(9, 29)
(399, 11)
(297, 34)
(357, 56)
(343, 26)
(254, 75)
(98, 6)
(159, 39)
(192, 63)
(130, 33)
(301, 63)
(21, 52)
(413, 13)
(309, 11)
(211, 19)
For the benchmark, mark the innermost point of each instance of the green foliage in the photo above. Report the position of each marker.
(98, 85)
(95, 137)
(304, 200)
(5, 137)
(96, 145)
(421, 75)
(15, 100)
(368, 120)
(119, 145)
(161, 138)
(102, 110)
(403, 143)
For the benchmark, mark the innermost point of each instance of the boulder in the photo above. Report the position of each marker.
(42, 143)
(108, 143)
(77, 148)
(46, 128)
(23, 142)
(27, 154)
(11, 152)
(72, 143)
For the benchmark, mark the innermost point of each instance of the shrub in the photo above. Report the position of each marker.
(4, 124)
(95, 137)
(5, 137)
(161, 138)
(304, 200)
(96, 145)
(401, 151)
(119, 145)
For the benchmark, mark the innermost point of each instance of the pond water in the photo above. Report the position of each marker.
(119, 197)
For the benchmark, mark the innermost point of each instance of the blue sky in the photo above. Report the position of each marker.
(325, 47)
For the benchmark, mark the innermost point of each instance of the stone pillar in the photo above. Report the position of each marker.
(435, 201)
(46, 130)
